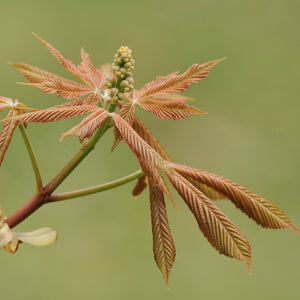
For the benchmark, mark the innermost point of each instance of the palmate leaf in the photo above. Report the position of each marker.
(177, 83)
(8, 129)
(163, 244)
(262, 211)
(217, 227)
(140, 128)
(148, 137)
(92, 99)
(66, 90)
(68, 65)
(161, 97)
(137, 145)
(171, 96)
(55, 113)
(87, 67)
(219, 230)
(169, 110)
(149, 159)
(93, 78)
(50, 83)
(81, 101)
(36, 75)
(205, 189)
(88, 125)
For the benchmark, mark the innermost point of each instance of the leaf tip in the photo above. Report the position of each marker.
(249, 267)
(294, 228)
(167, 282)
(63, 136)
(35, 35)
(39, 38)
(114, 146)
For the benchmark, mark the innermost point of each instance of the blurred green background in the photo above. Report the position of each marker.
(251, 135)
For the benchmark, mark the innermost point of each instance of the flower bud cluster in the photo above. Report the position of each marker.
(122, 68)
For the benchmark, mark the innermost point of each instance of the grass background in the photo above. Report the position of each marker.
(251, 135)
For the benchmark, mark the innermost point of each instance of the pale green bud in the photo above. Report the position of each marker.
(124, 83)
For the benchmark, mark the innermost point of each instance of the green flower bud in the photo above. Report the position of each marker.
(114, 91)
(124, 83)
(123, 55)
(128, 65)
(130, 80)
(115, 68)
(118, 61)
(111, 79)
(109, 84)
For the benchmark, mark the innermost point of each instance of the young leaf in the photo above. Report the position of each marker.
(149, 159)
(37, 75)
(169, 110)
(7, 132)
(148, 137)
(66, 90)
(219, 230)
(137, 145)
(92, 99)
(141, 184)
(177, 83)
(88, 125)
(127, 113)
(5, 99)
(163, 244)
(68, 65)
(262, 211)
(3, 106)
(171, 96)
(55, 113)
(205, 189)
(87, 67)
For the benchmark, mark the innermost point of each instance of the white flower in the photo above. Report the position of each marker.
(9, 240)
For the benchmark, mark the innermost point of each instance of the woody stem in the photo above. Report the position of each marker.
(40, 198)
(77, 158)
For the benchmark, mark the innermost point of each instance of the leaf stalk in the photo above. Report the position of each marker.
(32, 156)
(95, 189)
